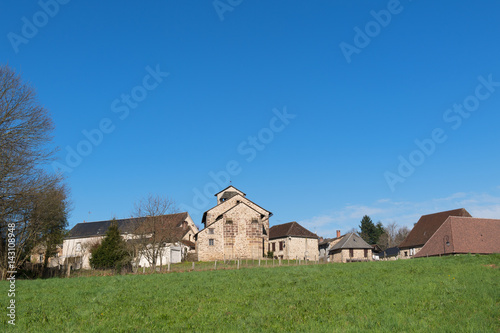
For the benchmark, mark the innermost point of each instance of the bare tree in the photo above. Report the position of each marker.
(25, 135)
(401, 235)
(154, 228)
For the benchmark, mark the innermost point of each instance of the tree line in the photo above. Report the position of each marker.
(33, 202)
(384, 236)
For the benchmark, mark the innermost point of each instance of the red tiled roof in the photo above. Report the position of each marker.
(427, 226)
(464, 235)
(292, 229)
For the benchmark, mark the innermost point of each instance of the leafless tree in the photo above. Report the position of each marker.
(25, 136)
(393, 235)
(154, 228)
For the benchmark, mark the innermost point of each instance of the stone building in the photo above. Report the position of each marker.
(326, 244)
(235, 228)
(351, 247)
(293, 241)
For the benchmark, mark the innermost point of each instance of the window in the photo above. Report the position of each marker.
(254, 220)
(406, 253)
(274, 246)
(211, 242)
(351, 253)
(281, 246)
(268, 247)
(210, 231)
(78, 247)
(366, 253)
(229, 221)
(40, 258)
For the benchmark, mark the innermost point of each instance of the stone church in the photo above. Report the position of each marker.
(235, 228)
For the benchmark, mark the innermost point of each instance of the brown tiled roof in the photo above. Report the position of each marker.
(189, 243)
(292, 229)
(464, 235)
(427, 226)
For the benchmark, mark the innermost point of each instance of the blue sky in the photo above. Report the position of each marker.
(320, 112)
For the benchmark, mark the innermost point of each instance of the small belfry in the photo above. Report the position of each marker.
(235, 228)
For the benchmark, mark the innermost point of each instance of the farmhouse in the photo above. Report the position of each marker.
(351, 247)
(83, 236)
(423, 231)
(463, 235)
(235, 228)
(293, 241)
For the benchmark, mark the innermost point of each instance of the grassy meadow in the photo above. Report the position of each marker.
(448, 294)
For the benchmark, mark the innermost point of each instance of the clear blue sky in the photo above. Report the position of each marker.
(354, 83)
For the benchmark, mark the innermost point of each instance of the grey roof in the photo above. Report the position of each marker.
(126, 226)
(351, 241)
(229, 194)
(390, 252)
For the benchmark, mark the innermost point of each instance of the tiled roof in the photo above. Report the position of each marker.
(126, 226)
(464, 235)
(292, 229)
(351, 241)
(427, 226)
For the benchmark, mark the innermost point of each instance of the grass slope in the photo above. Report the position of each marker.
(449, 294)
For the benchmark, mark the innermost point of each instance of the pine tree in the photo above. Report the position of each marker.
(112, 252)
(369, 231)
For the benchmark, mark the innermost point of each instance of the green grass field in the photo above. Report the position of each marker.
(449, 294)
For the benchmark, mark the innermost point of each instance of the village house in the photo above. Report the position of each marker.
(423, 231)
(83, 236)
(459, 235)
(37, 256)
(292, 241)
(351, 247)
(326, 244)
(235, 228)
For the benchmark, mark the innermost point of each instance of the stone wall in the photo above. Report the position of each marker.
(296, 248)
(344, 255)
(410, 252)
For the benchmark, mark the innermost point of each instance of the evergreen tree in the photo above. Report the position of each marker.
(112, 252)
(369, 231)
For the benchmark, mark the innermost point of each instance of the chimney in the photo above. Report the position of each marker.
(338, 233)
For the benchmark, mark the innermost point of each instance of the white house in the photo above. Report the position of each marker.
(83, 236)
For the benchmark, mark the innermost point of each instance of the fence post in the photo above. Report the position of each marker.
(193, 265)
(215, 265)
(273, 261)
(168, 267)
(259, 262)
(238, 265)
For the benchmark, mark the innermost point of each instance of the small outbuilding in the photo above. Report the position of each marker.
(293, 241)
(351, 248)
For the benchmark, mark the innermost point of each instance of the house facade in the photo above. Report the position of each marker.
(423, 230)
(293, 241)
(235, 228)
(84, 236)
(350, 248)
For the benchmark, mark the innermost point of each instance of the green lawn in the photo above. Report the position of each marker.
(449, 294)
